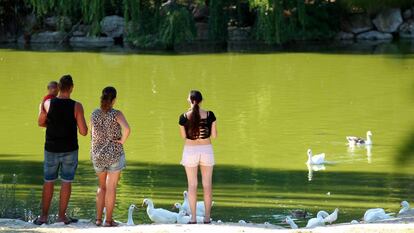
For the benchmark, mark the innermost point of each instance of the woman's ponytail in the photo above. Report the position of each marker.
(194, 118)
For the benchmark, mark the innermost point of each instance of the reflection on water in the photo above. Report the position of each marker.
(312, 168)
(270, 109)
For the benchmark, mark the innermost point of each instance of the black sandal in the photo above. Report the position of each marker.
(69, 220)
(38, 222)
(192, 223)
(111, 223)
(208, 222)
(98, 222)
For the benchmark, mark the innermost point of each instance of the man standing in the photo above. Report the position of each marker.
(62, 118)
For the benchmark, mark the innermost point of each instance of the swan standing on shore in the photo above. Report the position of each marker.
(332, 217)
(377, 214)
(315, 159)
(318, 221)
(159, 215)
(130, 212)
(353, 140)
(405, 210)
(291, 223)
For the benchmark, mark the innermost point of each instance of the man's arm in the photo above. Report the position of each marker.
(80, 119)
(43, 110)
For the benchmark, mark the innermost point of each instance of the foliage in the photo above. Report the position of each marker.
(280, 21)
(217, 20)
(177, 26)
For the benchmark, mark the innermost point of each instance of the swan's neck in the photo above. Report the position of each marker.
(368, 139)
(292, 224)
(309, 159)
(130, 220)
(150, 207)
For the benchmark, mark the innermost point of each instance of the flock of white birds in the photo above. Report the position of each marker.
(183, 216)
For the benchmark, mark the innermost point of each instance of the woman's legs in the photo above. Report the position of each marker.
(192, 190)
(110, 196)
(100, 196)
(207, 174)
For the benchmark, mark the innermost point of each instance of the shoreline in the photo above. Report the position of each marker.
(395, 225)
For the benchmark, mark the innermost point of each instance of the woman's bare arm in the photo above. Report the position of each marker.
(120, 118)
(214, 129)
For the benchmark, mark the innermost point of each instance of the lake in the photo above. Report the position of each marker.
(270, 108)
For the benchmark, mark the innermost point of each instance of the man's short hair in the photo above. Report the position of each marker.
(65, 83)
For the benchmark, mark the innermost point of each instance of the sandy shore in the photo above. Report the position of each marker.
(10, 225)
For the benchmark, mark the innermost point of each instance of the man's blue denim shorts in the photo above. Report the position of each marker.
(64, 164)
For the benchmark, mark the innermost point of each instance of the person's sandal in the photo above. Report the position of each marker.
(98, 222)
(208, 222)
(111, 223)
(70, 220)
(192, 222)
(38, 222)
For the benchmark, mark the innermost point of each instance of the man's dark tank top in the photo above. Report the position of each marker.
(61, 131)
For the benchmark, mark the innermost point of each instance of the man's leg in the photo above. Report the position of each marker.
(69, 162)
(65, 191)
(46, 200)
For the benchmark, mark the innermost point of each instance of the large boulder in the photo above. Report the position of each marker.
(48, 37)
(113, 26)
(407, 30)
(357, 23)
(239, 33)
(54, 23)
(344, 36)
(91, 42)
(375, 35)
(202, 31)
(388, 20)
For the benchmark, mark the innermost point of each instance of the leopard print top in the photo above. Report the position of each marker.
(105, 131)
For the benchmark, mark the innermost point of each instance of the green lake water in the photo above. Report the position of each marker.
(270, 108)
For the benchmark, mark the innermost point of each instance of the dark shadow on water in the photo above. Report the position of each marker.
(256, 195)
(397, 48)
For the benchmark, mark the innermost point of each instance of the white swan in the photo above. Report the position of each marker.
(159, 215)
(292, 223)
(315, 159)
(377, 214)
(200, 209)
(353, 140)
(318, 221)
(332, 217)
(182, 218)
(130, 212)
(242, 222)
(354, 222)
(405, 210)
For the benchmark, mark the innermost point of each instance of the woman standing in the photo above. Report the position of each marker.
(196, 127)
(109, 130)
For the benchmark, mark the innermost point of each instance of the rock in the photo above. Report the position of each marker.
(407, 30)
(202, 31)
(388, 20)
(407, 14)
(48, 37)
(374, 35)
(357, 23)
(81, 30)
(239, 33)
(91, 42)
(54, 23)
(113, 26)
(344, 36)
